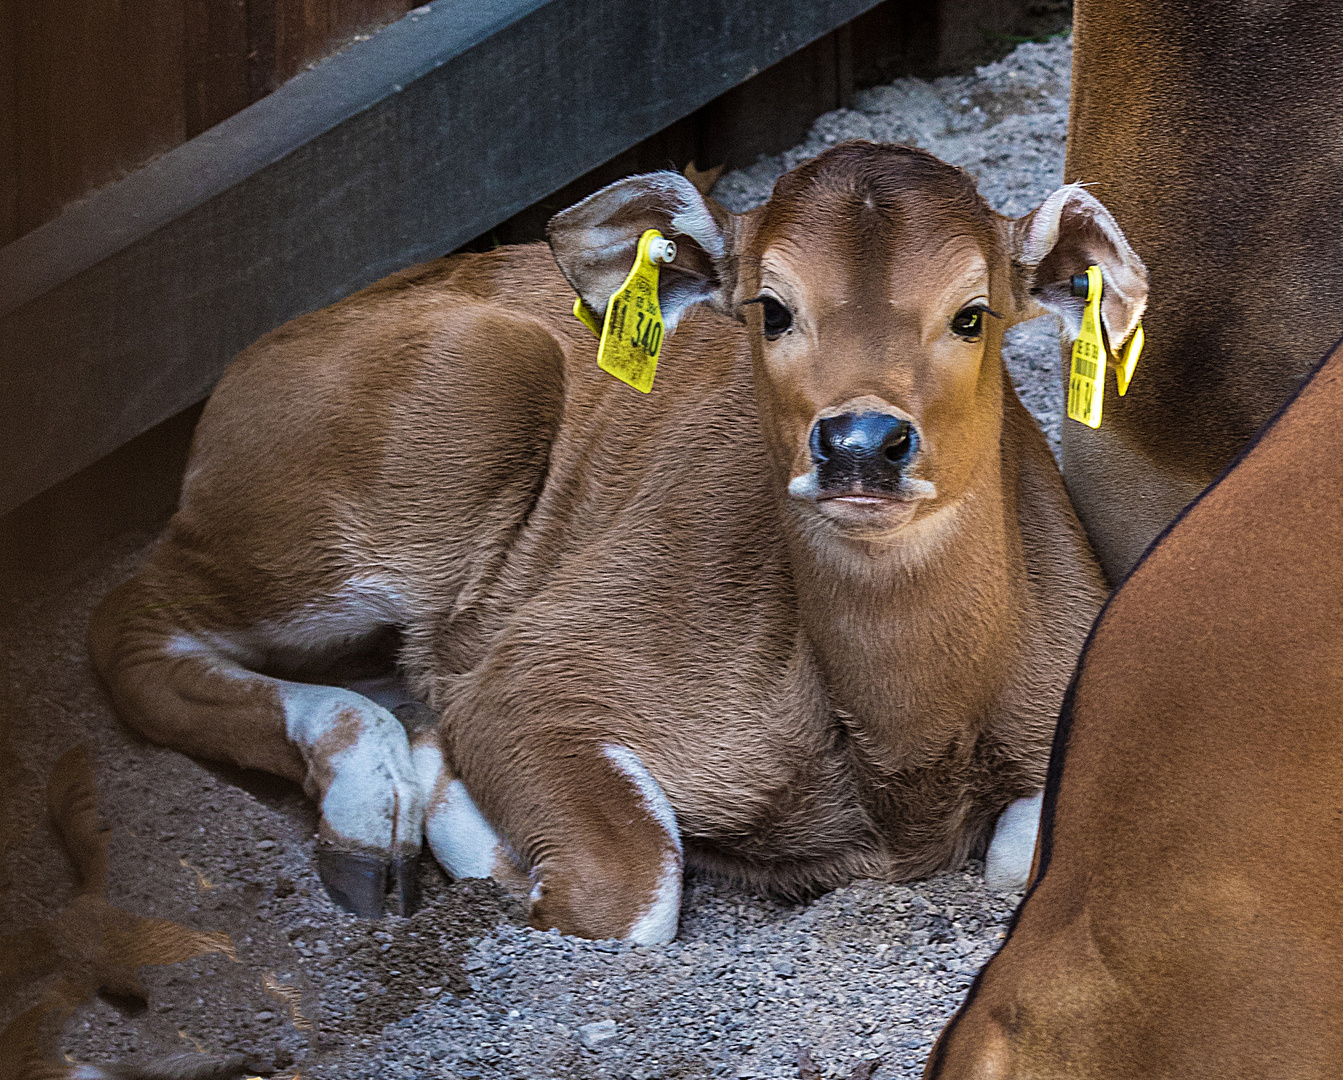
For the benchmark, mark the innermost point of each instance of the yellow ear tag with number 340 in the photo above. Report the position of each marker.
(1086, 381)
(632, 331)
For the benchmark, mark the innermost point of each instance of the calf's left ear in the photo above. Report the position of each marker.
(1061, 237)
(595, 242)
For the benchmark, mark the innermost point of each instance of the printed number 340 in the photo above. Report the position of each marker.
(647, 334)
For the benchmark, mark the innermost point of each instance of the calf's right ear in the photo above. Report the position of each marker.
(595, 242)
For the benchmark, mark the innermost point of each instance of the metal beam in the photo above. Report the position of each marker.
(126, 308)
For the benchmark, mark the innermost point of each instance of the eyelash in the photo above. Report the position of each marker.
(978, 311)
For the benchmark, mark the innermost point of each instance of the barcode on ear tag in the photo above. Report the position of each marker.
(1086, 380)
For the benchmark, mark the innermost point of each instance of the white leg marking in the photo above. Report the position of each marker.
(463, 842)
(1008, 864)
(372, 798)
(657, 925)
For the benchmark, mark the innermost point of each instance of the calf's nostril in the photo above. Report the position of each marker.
(898, 445)
(820, 444)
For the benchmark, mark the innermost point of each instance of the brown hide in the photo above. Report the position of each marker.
(570, 565)
(1212, 131)
(1185, 917)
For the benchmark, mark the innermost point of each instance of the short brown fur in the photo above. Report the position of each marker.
(1211, 131)
(577, 565)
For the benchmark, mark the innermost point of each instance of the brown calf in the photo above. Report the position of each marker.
(1212, 131)
(804, 613)
(1184, 920)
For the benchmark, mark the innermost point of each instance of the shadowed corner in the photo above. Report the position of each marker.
(92, 947)
(808, 1069)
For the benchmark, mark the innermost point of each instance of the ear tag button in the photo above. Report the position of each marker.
(632, 330)
(1086, 381)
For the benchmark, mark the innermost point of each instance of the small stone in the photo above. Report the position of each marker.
(594, 1034)
(266, 845)
(782, 968)
(264, 1017)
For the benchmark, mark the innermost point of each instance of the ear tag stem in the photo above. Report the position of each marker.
(583, 314)
(632, 331)
(1086, 381)
(1128, 360)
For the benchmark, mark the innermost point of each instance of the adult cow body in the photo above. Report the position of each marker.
(804, 613)
(1184, 918)
(1212, 130)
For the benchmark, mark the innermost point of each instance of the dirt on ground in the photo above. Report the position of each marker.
(750, 988)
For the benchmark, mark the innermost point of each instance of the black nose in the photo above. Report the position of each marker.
(863, 450)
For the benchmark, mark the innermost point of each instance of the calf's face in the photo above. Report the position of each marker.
(875, 286)
(874, 290)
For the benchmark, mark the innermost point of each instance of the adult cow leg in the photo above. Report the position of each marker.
(188, 689)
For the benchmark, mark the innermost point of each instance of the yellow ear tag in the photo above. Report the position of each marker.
(632, 331)
(584, 315)
(1086, 382)
(1128, 360)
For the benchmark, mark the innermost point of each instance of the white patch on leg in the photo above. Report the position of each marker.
(655, 800)
(657, 925)
(463, 842)
(372, 797)
(360, 607)
(1008, 863)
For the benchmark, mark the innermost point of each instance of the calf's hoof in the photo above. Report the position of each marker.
(1007, 866)
(370, 886)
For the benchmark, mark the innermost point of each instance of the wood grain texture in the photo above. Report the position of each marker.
(92, 89)
(216, 66)
(100, 91)
(9, 105)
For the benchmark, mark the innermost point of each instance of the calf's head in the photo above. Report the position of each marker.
(875, 285)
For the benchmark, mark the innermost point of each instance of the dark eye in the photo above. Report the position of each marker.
(968, 323)
(777, 317)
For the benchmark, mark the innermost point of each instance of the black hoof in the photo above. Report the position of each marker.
(369, 885)
(403, 893)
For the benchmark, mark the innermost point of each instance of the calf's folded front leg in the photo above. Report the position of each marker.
(592, 825)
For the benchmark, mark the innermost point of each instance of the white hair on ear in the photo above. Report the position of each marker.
(1043, 234)
(1044, 230)
(1124, 273)
(691, 217)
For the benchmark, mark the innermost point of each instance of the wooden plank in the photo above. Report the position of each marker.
(774, 110)
(215, 78)
(397, 150)
(100, 91)
(9, 123)
(305, 31)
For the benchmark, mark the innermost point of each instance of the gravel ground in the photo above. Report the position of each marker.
(867, 973)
